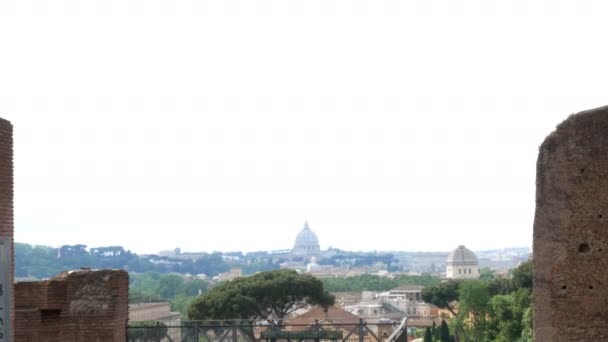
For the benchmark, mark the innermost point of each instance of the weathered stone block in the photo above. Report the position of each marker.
(6, 231)
(571, 231)
(75, 306)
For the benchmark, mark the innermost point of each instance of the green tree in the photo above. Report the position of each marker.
(428, 337)
(521, 277)
(442, 295)
(527, 332)
(368, 282)
(170, 285)
(144, 282)
(143, 297)
(474, 299)
(181, 303)
(435, 332)
(444, 332)
(268, 295)
(194, 287)
(508, 315)
(486, 274)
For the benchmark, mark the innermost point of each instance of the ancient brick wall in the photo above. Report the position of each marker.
(79, 306)
(571, 231)
(6, 206)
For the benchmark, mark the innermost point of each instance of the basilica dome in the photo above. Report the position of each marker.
(463, 256)
(462, 264)
(306, 242)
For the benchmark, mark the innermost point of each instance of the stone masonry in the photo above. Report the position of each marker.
(571, 231)
(75, 306)
(6, 218)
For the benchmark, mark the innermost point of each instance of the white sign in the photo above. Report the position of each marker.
(5, 288)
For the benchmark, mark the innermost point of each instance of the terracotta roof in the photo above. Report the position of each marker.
(423, 322)
(332, 315)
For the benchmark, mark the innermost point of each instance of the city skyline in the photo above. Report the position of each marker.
(223, 126)
(170, 249)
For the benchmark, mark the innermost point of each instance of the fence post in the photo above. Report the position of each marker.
(234, 332)
(158, 331)
(196, 332)
(361, 330)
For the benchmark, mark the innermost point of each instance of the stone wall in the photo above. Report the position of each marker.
(78, 306)
(6, 217)
(571, 231)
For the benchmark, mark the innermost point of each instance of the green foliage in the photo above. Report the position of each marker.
(147, 331)
(508, 313)
(143, 297)
(435, 332)
(521, 277)
(35, 261)
(428, 337)
(144, 282)
(527, 332)
(474, 299)
(444, 332)
(268, 295)
(44, 262)
(491, 309)
(181, 303)
(194, 287)
(442, 295)
(156, 287)
(368, 282)
(259, 266)
(486, 274)
(170, 285)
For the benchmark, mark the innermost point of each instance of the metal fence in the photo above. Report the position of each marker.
(253, 331)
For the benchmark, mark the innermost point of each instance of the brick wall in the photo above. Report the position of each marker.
(571, 231)
(75, 306)
(6, 196)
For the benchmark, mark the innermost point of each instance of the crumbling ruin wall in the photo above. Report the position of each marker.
(79, 306)
(571, 231)
(6, 231)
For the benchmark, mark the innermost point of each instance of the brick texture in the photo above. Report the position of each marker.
(6, 195)
(571, 231)
(75, 306)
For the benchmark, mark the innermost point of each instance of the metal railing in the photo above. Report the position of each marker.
(400, 334)
(254, 331)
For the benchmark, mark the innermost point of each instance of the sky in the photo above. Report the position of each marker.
(224, 125)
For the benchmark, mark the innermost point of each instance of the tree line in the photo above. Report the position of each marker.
(41, 262)
(151, 287)
(370, 282)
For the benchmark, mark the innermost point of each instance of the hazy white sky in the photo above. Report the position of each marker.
(223, 125)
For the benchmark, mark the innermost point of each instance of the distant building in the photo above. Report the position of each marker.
(394, 304)
(171, 253)
(462, 264)
(313, 266)
(306, 243)
(426, 262)
(234, 273)
(160, 311)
